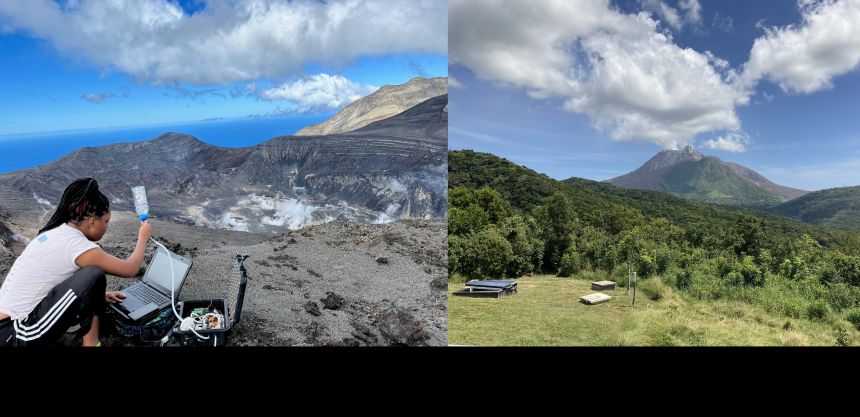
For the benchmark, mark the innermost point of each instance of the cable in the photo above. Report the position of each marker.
(188, 322)
(141, 206)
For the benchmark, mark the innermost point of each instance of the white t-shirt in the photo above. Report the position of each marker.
(46, 262)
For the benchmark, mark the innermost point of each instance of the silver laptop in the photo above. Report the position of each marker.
(151, 295)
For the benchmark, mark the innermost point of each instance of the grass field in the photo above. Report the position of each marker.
(546, 312)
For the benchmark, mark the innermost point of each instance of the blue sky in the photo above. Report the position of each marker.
(64, 65)
(593, 88)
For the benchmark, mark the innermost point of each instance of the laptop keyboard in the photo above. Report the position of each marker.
(147, 294)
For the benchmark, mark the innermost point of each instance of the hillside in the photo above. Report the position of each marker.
(386, 102)
(524, 189)
(835, 207)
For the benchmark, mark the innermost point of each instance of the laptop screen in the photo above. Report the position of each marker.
(158, 273)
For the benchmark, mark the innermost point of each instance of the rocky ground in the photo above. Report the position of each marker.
(340, 283)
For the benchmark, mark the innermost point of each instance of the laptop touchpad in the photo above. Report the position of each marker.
(131, 303)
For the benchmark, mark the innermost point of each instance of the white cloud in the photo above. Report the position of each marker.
(724, 23)
(731, 142)
(318, 92)
(228, 41)
(805, 58)
(96, 97)
(524, 44)
(668, 13)
(620, 70)
(692, 10)
(454, 83)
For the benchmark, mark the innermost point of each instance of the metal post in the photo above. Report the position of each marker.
(243, 281)
(634, 289)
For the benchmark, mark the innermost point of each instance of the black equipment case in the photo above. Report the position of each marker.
(216, 337)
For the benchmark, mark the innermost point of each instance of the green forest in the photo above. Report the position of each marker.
(835, 206)
(508, 221)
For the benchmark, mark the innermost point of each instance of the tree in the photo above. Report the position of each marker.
(456, 253)
(465, 221)
(751, 273)
(515, 230)
(460, 197)
(746, 237)
(842, 268)
(493, 203)
(661, 230)
(696, 232)
(617, 218)
(557, 222)
(570, 262)
(536, 242)
(631, 245)
(807, 248)
(592, 245)
(487, 254)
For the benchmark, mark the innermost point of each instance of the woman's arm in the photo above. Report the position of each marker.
(114, 266)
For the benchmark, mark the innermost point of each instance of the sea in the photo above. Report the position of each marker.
(21, 151)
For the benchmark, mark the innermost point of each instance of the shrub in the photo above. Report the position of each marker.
(652, 288)
(842, 296)
(485, 255)
(664, 260)
(842, 337)
(570, 263)
(734, 278)
(646, 266)
(680, 278)
(705, 286)
(853, 317)
(842, 268)
(794, 268)
(817, 310)
(619, 275)
(752, 274)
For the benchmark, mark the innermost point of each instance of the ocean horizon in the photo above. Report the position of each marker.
(28, 150)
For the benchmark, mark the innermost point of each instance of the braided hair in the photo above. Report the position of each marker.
(81, 199)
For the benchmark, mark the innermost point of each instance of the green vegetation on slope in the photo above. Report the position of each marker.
(835, 207)
(525, 189)
(711, 181)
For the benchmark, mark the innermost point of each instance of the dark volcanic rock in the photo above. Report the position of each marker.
(399, 327)
(9, 240)
(313, 332)
(332, 301)
(364, 334)
(312, 308)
